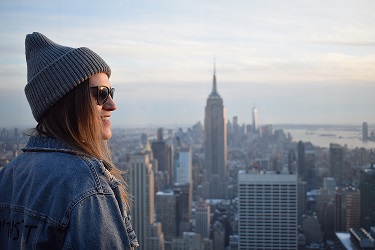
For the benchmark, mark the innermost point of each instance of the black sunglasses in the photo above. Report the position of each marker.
(101, 93)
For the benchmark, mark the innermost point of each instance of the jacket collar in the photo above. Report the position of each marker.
(49, 144)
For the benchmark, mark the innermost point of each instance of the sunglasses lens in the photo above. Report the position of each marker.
(103, 95)
(112, 93)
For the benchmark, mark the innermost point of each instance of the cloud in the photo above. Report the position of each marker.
(161, 53)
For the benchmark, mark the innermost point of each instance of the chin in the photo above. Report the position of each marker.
(107, 135)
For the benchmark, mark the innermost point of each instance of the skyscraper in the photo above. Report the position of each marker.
(255, 119)
(267, 211)
(218, 236)
(310, 170)
(328, 220)
(141, 186)
(157, 237)
(202, 219)
(364, 131)
(353, 208)
(191, 241)
(336, 156)
(185, 198)
(168, 212)
(215, 144)
(301, 161)
(302, 200)
(367, 187)
(184, 184)
(347, 209)
(312, 229)
(163, 152)
(183, 166)
(340, 210)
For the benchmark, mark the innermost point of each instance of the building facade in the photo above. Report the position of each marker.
(141, 186)
(185, 192)
(336, 162)
(183, 166)
(202, 219)
(312, 229)
(353, 209)
(267, 211)
(157, 237)
(168, 213)
(367, 187)
(163, 152)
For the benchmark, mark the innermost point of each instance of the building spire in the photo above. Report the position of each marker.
(214, 90)
(214, 94)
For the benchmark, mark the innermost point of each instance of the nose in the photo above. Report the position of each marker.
(110, 104)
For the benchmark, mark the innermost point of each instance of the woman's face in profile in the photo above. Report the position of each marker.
(101, 80)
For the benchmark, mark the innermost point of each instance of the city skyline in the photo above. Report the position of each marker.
(295, 61)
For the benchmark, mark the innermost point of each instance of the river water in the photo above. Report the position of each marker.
(323, 136)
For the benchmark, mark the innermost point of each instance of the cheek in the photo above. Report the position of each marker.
(99, 108)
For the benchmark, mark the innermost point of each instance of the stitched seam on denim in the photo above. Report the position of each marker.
(78, 200)
(33, 214)
(61, 150)
(60, 225)
(95, 175)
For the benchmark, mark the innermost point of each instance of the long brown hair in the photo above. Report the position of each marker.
(74, 120)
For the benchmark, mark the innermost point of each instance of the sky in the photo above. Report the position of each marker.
(296, 61)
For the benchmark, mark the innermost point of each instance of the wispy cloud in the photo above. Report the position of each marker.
(161, 53)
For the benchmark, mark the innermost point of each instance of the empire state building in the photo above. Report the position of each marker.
(215, 144)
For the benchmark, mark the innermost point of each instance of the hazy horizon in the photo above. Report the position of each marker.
(155, 126)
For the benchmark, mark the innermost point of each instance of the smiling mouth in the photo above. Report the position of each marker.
(105, 120)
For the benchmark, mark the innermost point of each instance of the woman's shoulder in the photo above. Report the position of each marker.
(52, 157)
(71, 172)
(75, 170)
(51, 183)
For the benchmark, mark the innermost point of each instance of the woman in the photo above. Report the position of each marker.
(63, 191)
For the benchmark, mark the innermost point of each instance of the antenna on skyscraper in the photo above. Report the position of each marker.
(214, 90)
(214, 65)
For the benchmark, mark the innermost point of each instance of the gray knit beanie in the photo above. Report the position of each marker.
(53, 70)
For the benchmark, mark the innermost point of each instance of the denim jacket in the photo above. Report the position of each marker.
(52, 197)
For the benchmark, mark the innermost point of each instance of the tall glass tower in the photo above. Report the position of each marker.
(255, 119)
(215, 144)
